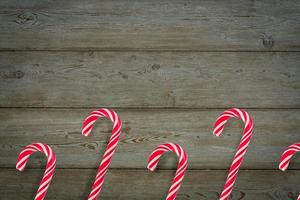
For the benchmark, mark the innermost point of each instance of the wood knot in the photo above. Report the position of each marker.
(18, 74)
(27, 18)
(155, 66)
(124, 76)
(91, 146)
(12, 75)
(267, 41)
(126, 130)
(150, 68)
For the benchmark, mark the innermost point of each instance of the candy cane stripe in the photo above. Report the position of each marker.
(181, 167)
(242, 148)
(87, 127)
(286, 157)
(50, 167)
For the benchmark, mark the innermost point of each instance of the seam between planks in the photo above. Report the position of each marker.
(146, 50)
(155, 108)
(145, 169)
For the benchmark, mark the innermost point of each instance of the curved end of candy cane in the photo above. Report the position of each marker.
(287, 155)
(21, 162)
(152, 164)
(218, 128)
(152, 167)
(218, 134)
(87, 130)
(20, 168)
(283, 167)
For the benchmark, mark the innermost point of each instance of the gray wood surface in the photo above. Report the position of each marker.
(141, 184)
(142, 131)
(150, 79)
(169, 68)
(150, 25)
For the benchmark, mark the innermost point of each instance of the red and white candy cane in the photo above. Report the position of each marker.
(110, 149)
(51, 163)
(242, 148)
(181, 167)
(287, 156)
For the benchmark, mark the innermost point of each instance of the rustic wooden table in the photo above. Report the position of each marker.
(168, 68)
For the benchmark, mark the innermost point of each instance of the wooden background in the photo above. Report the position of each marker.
(169, 68)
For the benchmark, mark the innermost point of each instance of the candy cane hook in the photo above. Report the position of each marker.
(242, 148)
(181, 167)
(110, 149)
(51, 163)
(287, 156)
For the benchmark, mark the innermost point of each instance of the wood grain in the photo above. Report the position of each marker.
(150, 80)
(142, 131)
(169, 68)
(140, 184)
(150, 25)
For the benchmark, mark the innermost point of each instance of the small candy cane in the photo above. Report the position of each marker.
(181, 167)
(51, 163)
(242, 148)
(286, 157)
(110, 149)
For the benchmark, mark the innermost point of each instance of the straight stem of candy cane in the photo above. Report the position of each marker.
(242, 148)
(287, 156)
(181, 168)
(110, 149)
(49, 172)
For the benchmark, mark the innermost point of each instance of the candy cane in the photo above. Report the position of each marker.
(51, 163)
(110, 149)
(287, 156)
(181, 167)
(242, 148)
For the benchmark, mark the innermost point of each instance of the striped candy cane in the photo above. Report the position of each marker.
(110, 149)
(181, 167)
(242, 148)
(51, 163)
(287, 156)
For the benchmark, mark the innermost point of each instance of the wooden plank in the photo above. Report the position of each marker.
(140, 184)
(150, 25)
(142, 131)
(136, 79)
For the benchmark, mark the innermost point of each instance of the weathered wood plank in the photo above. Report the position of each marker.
(136, 79)
(150, 25)
(140, 184)
(142, 131)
